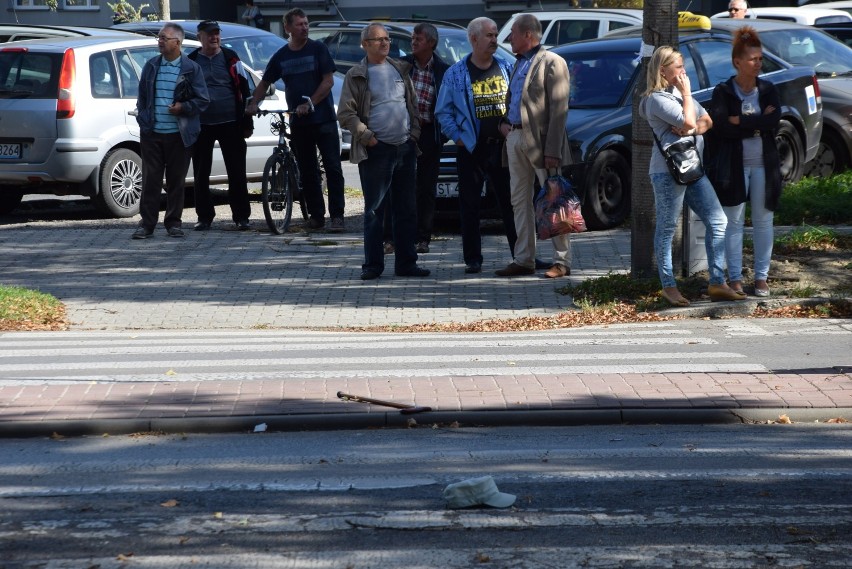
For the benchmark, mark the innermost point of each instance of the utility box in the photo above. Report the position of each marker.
(694, 252)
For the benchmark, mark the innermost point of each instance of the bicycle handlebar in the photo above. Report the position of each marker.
(263, 112)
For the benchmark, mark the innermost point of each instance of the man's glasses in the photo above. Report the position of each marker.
(379, 40)
(164, 38)
(734, 10)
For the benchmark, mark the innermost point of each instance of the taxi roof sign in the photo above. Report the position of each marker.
(690, 21)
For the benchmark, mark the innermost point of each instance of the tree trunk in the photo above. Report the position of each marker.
(659, 27)
(165, 10)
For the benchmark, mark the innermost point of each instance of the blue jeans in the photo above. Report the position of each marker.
(701, 198)
(761, 221)
(307, 140)
(388, 179)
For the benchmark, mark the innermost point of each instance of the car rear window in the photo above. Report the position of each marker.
(28, 75)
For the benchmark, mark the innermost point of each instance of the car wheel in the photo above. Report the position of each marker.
(830, 158)
(791, 152)
(121, 184)
(10, 199)
(607, 196)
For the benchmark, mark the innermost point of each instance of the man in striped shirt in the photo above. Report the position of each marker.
(172, 95)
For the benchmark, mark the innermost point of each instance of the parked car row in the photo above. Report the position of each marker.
(94, 149)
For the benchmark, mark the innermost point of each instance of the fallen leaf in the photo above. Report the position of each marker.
(482, 558)
(218, 515)
(454, 425)
(171, 372)
(183, 539)
(124, 556)
(837, 420)
(411, 423)
(169, 503)
(56, 436)
(784, 419)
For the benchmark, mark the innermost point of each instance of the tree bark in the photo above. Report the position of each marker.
(659, 27)
(165, 10)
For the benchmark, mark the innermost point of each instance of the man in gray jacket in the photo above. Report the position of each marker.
(172, 95)
(378, 107)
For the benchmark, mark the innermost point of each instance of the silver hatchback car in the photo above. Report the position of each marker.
(65, 127)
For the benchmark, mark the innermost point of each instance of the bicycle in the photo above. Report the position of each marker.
(282, 185)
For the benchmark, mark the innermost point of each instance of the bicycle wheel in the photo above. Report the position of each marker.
(277, 193)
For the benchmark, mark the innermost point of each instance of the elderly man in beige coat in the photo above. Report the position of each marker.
(535, 140)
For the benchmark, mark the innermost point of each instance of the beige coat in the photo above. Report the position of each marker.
(544, 108)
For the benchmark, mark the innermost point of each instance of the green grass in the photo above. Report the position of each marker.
(811, 238)
(823, 201)
(24, 309)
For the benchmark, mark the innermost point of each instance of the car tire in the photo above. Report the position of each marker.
(10, 199)
(607, 194)
(120, 184)
(791, 153)
(831, 157)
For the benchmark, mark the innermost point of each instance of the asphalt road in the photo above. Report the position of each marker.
(651, 496)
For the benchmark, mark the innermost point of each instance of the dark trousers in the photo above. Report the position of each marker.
(474, 169)
(233, 147)
(428, 168)
(163, 154)
(387, 180)
(307, 140)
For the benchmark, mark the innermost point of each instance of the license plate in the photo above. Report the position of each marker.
(10, 151)
(447, 190)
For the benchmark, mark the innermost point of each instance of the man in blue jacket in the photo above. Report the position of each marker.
(172, 95)
(471, 105)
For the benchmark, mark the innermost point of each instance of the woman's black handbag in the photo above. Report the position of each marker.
(683, 160)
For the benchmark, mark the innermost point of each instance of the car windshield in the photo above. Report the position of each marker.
(812, 48)
(599, 79)
(256, 50)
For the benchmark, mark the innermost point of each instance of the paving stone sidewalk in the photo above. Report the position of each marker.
(225, 279)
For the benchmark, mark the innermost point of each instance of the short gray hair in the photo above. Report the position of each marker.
(529, 23)
(474, 28)
(365, 33)
(177, 28)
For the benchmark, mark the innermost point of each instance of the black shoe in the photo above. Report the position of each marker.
(316, 223)
(141, 233)
(175, 232)
(414, 271)
(473, 268)
(202, 226)
(369, 275)
(243, 225)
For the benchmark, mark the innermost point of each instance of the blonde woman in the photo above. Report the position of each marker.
(674, 116)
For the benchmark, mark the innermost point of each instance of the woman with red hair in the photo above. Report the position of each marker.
(745, 166)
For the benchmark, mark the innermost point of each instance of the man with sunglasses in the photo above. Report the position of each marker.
(737, 9)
